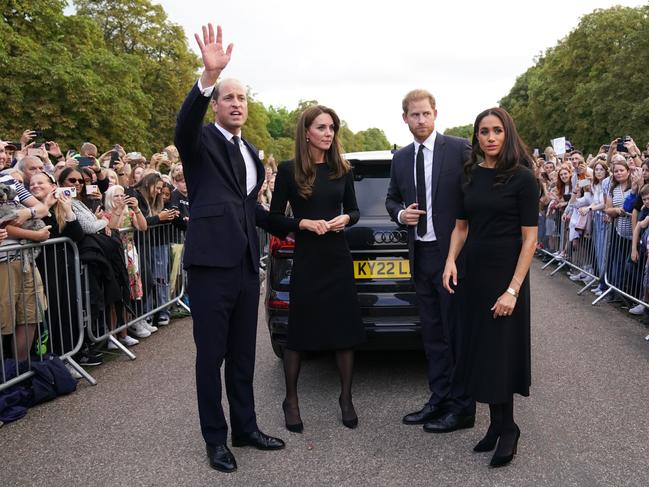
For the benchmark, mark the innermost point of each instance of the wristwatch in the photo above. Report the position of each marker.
(512, 291)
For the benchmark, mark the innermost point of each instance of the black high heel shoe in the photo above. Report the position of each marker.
(292, 427)
(350, 421)
(500, 459)
(489, 441)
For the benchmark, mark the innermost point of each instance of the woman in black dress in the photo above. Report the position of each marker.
(498, 230)
(324, 313)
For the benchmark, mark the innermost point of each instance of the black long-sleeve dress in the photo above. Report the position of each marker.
(324, 313)
(498, 354)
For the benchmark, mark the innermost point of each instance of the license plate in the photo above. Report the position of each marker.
(381, 269)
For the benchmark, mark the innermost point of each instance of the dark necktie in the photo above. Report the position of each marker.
(240, 165)
(422, 227)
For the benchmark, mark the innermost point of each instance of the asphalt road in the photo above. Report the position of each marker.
(586, 422)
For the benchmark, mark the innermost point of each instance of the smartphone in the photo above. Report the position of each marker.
(164, 156)
(71, 192)
(92, 189)
(536, 153)
(542, 156)
(39, 135)
(584, 183)
(620, 146)
(114, 157)
(86, 161)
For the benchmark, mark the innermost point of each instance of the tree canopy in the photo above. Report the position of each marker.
(591, 86)
(117, 71)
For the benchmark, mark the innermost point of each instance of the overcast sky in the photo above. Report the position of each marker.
(361, 57)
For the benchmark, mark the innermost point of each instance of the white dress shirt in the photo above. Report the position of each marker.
(251, 168)
(429, 146)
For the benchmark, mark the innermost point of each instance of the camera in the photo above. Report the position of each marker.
(620, 145)
(70, 192)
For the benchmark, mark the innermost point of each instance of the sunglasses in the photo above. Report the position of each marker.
(74, 180)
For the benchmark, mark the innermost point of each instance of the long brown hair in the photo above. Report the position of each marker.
(514, 153)
(561, 186)
(304, 164)
(144, 186)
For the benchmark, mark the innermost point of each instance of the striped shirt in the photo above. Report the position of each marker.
(21, 192)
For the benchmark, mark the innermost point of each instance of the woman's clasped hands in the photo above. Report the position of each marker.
(320, 227)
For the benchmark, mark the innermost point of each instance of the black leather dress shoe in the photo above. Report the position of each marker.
(259, 440)
(427, 413)
(449, 422)
(221, 458)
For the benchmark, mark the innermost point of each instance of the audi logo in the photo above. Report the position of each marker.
(391, 237)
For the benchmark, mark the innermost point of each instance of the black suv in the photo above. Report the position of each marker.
(379, 248)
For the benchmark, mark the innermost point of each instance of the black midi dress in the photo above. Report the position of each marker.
(324, 313)
(497, 362)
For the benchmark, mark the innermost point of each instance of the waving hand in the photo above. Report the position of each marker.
(215, 59)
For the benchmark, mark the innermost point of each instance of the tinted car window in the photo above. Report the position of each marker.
(371, 185)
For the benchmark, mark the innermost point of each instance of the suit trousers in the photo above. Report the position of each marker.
(441, 332)
(224, 305)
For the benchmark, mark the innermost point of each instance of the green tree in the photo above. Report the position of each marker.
(141, 32)
(373, 139)
(464, 131)
(59, 77)
(590, 87)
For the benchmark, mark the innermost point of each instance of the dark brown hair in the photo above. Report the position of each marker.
(304, 164)
(514, 153)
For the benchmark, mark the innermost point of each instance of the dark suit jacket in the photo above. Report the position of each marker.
(222, 219)
(449, 155)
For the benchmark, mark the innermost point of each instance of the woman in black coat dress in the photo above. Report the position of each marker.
(497, 228)
(324, 313)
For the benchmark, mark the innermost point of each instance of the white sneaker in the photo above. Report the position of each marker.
(139, 330)
(73, 372)
(128, 341)
(577, 277)
(111, 346)
(637, 310)
(595, 290)
(149, 326)
(598, 292)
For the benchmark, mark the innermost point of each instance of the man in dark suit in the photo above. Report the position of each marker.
(223, 175)
(425, 194)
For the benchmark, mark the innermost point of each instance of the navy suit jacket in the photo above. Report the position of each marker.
(449, 155)
(222, 219)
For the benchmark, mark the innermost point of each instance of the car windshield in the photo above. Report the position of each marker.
(371, 185)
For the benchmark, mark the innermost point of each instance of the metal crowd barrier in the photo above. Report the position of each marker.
(48, 297)
(599, 254)
(40, 287)
(152, 262)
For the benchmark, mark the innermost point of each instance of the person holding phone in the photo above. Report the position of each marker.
(497, 229)
(54, 262)
(90, 221)
(621, 241)
(148, 192)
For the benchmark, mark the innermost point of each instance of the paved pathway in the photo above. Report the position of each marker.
(585, 424)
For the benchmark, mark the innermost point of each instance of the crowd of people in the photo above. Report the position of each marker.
(107, 203)
(592, 213)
